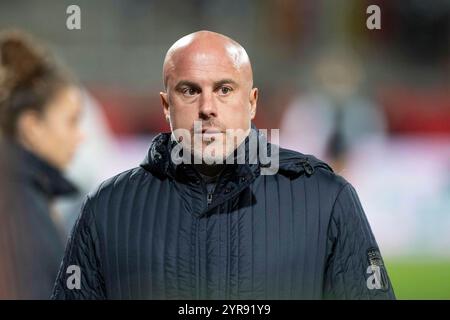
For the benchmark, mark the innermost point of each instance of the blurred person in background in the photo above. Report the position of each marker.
(333, 116)
(94, 161)
(39, 124)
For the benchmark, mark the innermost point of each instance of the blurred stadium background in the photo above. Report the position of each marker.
(375, 103)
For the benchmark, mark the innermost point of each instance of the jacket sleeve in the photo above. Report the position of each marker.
(355, 268)
(80, 274)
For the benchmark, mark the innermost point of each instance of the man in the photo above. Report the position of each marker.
(205, 228)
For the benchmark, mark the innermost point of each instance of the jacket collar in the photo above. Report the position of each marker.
(158, 160)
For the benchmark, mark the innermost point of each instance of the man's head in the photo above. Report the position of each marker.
(208, 78)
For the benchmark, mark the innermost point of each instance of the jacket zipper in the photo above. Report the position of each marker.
(209, 198)
(210, 194)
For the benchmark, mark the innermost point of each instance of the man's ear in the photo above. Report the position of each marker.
(165, 104)
(253, 102)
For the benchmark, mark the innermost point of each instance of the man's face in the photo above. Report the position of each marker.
(208, 86)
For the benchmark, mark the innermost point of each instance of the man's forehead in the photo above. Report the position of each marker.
(204, 67)
(206, 54)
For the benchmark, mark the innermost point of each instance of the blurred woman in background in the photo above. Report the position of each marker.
(40, 107)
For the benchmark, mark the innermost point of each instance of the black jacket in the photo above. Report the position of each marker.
(149, 233)
(31, 245)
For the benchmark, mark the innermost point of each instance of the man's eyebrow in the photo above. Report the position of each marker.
(186, 83)
(225, 81)
(193, 85)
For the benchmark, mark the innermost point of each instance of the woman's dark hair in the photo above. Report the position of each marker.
(29, 78)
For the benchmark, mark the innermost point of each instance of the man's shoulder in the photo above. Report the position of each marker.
(113, 189)
(310, 167)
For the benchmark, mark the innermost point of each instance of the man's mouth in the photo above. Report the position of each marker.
(211, 131)
(210, 134)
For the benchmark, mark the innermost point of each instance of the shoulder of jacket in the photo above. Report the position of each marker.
(117, 184)
(312, 167)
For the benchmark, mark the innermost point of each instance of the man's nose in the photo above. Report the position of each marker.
(208, 107)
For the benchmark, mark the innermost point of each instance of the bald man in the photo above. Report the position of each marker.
(215, 211)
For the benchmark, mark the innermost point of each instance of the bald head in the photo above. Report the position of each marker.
(203, 49)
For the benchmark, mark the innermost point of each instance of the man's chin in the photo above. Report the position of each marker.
(207, 159)
(209, 153)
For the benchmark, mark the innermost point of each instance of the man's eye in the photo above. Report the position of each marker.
(225, 90)
(189, 91)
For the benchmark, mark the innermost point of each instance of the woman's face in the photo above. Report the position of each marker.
(55, 134)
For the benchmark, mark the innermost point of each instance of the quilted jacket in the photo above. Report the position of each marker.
(154, 232)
